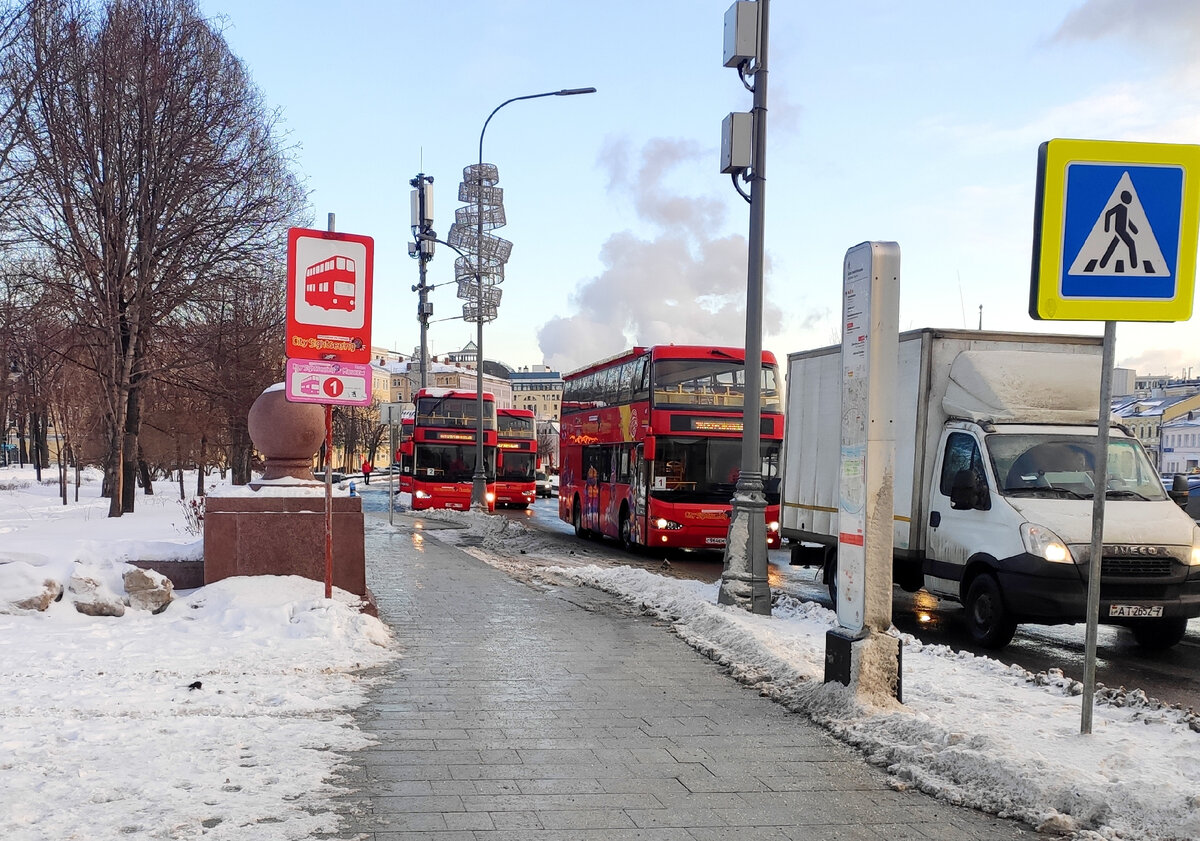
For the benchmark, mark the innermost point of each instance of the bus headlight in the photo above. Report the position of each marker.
(1044, 543)
(668, 525)
(491, 497)
(423, 495)
(773, 525)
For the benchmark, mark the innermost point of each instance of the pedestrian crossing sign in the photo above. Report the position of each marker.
(1115, 231)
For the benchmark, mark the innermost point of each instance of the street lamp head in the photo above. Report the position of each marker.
(574, 91)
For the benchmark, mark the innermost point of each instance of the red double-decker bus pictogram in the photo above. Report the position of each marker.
(329, 284)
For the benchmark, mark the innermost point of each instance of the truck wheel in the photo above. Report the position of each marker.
(1157, 634)
(988, 620)
(627, 541)
(831, 581)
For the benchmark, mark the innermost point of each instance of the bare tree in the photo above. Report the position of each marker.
(151, 169)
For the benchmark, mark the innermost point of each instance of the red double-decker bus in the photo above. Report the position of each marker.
(329, 284)
(443, 448)
(515, 457)
(651, 443)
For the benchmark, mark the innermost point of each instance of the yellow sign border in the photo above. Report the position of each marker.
(1045, 302)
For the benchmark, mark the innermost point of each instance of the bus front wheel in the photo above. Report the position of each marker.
(627, 542)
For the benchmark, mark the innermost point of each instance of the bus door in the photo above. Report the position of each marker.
(638, 469)
(593, 471)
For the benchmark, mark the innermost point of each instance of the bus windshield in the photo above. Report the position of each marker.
(706, 469)
(711, 384)
(515, 467)
(450, 462)
(452, 412)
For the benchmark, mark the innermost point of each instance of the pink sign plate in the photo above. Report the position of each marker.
(338, 383)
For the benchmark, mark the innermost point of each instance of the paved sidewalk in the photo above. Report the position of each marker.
(522, 715)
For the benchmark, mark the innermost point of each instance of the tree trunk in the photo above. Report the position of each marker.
(241, 450)
(200, 465)
(144, 472)
(113, 474)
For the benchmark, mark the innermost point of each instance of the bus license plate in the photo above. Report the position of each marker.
(1134, 610)
(715, 541)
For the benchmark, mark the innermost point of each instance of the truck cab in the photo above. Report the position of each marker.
(1009, 533)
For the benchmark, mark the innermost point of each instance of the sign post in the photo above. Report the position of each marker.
(860, 649)
(1114, 239)
(328, 342)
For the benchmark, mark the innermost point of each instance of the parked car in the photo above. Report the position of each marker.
(1192, 504)
(541, 484)
(553, 484)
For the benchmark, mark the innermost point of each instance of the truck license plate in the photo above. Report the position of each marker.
(715, 541)
(1134, 610)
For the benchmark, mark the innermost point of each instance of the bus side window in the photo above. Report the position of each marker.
(625, 386)
(641, 386)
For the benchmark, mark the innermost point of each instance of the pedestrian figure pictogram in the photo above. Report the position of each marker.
(1121, 232)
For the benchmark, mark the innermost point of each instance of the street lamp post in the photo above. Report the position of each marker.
(479, 480)
(744, 579)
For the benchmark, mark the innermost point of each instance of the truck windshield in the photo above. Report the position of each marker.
(1065, 464)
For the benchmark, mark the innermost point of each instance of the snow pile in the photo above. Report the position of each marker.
(225, 715)
(226, 712)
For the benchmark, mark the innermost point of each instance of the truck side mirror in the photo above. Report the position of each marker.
(1179, 490)
(966, 493)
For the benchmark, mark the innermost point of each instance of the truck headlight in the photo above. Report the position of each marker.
(1194, 559)
(1044, 543)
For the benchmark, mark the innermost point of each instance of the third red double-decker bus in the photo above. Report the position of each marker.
(444, 446)
(651, 445)
(516, 451)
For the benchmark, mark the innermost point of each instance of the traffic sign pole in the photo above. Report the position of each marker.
(1114, 238)
(1097, 551)
(328, 480)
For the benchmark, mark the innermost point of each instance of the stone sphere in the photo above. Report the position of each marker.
(287, 434)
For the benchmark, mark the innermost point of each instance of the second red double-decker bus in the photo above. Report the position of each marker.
(516, 452)
(651, 444)
(444, 448)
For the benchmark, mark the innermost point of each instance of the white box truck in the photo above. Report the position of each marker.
(993, 493)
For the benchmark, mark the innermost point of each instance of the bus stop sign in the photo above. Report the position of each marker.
(1115, 231)
(329, 296)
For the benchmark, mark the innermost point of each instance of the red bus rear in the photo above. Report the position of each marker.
(517, 452)
(404, 455)
(444, 448)
(651, 443)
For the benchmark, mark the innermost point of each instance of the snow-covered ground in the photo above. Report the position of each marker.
(102, 734)
(225, 714)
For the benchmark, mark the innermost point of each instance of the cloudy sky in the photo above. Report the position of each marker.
(916, 122)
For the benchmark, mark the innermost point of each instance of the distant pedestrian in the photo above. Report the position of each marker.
(366, 472)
